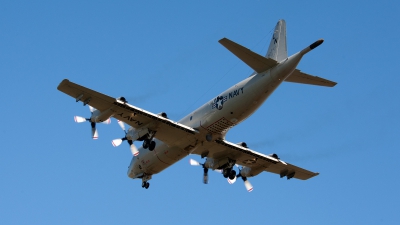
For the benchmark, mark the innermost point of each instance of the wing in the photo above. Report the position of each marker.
(258, 162)
(168, 131)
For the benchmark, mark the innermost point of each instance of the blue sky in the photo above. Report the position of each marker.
(165, 56)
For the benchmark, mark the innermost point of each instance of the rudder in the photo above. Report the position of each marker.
(277, 48)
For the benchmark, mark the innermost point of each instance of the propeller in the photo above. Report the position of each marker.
(94, 112)
(205, 175)
(117, 142)
(247, 183)
(231, 181)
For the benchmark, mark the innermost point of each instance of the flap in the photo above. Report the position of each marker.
(299, 77)
(252, 59)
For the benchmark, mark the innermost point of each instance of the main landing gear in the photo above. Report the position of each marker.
(148, 142)
(229, 172)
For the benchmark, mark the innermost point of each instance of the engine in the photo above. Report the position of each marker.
(245, 172)
(99, 117)
(137, 134)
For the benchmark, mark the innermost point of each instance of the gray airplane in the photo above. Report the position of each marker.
(203, 131)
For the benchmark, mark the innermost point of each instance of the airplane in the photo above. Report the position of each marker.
(202, 132)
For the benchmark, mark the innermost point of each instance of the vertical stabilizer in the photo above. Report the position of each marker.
(277, 48)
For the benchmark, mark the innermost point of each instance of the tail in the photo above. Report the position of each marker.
(277, 48)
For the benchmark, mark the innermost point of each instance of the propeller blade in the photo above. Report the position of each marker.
(248, 186)
(91, 109)
(108, 121)
(95, 135)
(231, 181)
(205, 176)
(116, 142)
(121, 124)
(194, 162)
(79, 119)
(218, 171)
(134, 150)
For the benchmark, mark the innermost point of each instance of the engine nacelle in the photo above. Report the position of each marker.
(163, 114)
(99, 117)
(135, 134)
(219, 164)
(246, 172)
(243, 144)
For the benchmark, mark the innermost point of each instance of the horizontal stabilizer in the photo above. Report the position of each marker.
(252, 59)
(299, 77)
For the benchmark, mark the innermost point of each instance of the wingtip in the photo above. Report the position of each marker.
(222, 40)
(62, 83)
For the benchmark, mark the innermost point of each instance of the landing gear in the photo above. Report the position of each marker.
(232, 174)
(145, 184)
(226, 172)
(229, 173)
(151, 145)
(145, 179)
(148, 141)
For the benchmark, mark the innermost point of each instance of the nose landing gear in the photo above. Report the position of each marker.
(145, 179)
(145, 184)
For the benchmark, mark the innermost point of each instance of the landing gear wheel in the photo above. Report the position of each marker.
(232, 174)
(226, 172)
(152, 145)
(145, 184)
(146, 143)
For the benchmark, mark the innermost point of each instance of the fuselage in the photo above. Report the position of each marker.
(217, 116)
